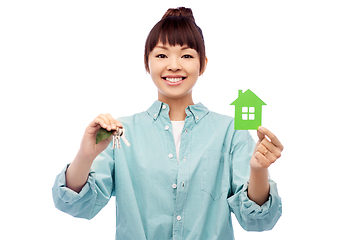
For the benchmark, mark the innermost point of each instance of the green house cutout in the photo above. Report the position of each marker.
(248, 109)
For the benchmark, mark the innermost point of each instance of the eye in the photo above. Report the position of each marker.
(187, 56)
(160, 56)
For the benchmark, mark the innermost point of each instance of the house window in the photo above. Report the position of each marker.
(248, 113)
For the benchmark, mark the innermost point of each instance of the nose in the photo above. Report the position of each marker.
(174, 65)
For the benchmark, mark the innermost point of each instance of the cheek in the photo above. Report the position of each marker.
(154, 73)
(195, 69)
(195, 66)
(152, 68)
(154, 65)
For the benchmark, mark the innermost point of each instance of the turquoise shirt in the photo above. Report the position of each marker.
(158, 198)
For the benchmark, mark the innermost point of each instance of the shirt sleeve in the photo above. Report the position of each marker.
(94, 195)
(250, 215)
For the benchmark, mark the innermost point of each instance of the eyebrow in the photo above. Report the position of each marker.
(165, 48)
(162, 47)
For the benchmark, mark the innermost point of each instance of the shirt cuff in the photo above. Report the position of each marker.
(252, 210)
(66, 194)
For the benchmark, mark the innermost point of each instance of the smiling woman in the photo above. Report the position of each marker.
(186, 180)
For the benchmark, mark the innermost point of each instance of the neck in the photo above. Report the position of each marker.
(177, 106)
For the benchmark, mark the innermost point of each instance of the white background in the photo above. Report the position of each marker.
(64, 62)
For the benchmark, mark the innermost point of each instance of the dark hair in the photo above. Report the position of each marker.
(177, 27)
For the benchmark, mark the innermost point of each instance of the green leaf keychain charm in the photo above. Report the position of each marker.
(102, 134)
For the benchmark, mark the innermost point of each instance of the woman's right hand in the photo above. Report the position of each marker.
(88, 148)
(78, 171)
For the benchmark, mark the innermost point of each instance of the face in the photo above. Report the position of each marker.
(174, 70)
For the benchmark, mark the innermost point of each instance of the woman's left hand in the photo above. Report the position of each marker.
(267, 150)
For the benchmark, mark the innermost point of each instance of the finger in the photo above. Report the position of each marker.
(118, 124)
(96, 123)
(112, 121)
(264, 162)
(265, 152)
(271, 136)
(115, 124)
(99, 122)
(261, 136)
(103, 120)
(270, 156)
(262, 149)
(272, 148)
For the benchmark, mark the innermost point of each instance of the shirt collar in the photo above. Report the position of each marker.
(198, 110)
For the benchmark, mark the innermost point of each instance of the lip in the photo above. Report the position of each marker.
(174, 83)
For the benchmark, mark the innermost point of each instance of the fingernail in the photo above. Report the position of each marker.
(104, 125)
(113, 126)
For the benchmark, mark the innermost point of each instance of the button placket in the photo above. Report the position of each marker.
(182, 177)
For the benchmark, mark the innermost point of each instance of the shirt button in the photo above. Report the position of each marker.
(155, 115)
(164, 107)
(174, 186)
(166, 128)
(184, 159)
(170, 155)
(178, 218)
(197, 117)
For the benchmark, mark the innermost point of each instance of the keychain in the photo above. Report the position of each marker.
(103, 134)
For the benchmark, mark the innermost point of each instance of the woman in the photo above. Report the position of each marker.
(187, 169)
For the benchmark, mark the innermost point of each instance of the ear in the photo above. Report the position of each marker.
(204, 67)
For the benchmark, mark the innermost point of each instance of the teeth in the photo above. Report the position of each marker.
(174, 80)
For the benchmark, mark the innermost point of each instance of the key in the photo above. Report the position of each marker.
(113, 144)
(124, 138)
(116, 140)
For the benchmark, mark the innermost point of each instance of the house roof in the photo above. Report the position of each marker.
(248, 98)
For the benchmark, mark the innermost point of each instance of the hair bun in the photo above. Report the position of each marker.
(179, 12)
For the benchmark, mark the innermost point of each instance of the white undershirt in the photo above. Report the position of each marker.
(177, 129)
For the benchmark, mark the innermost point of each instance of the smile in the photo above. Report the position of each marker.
(174, 80)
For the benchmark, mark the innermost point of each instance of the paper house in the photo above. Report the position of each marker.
(248, 109)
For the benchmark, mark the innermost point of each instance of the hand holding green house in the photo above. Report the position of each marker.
(248, 110)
